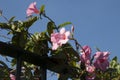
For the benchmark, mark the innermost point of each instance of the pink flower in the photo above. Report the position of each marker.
(86, 55)
(90, 68)
(90, 77)
(32, 9)
(58, 39)
(101, 61)
(12, 77)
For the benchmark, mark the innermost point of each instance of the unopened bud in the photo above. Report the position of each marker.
(0, 12)
(72, 29)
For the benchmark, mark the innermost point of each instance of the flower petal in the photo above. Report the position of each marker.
(62, 30)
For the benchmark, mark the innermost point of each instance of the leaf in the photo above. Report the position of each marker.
(13, 62)
(98, 49)
(11, 19)
(4, 71)
(113, 63)
(29, 22)
(4, 64)
(19, 39)
(64, 24)
(66, 52)
(115, 58)
(38, 43)
(50, 27)
(69, 50)
(4, 26)
(42, 9)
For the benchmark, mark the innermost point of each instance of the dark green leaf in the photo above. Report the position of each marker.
(97, 49)
(38, 43)
(115, 58)
(11, 19)
(66, 52)
(113, 63)
(13, 62)
(19, 39)
(29, 22)
(4, 26)
(50, 27)
(64, 24)
(4, 64)
(69, 50)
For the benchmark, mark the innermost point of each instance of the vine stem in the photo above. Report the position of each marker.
(50, 20)
(78, 45)
(3, 16)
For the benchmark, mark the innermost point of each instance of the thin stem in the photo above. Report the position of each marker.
(78, 45)
(5, 18)
(50, 20)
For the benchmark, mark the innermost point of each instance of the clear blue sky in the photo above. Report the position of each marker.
(97, 22)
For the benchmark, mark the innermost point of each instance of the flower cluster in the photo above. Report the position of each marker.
(100, 63)
(58, 39)
(80, 63)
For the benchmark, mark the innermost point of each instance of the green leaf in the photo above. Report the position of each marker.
(115, 58)
(4, 26)
(29, 22)
(66, 52)
(64, 24)
(50, 27)
(38, 43)
(98, 49)
(20, 39)
(13, 62)
(42, 9)
(4, 64)
(113, 63)
(69, 50)
(11, 19)
(4, 71)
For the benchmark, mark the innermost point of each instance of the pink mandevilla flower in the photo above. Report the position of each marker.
(90, 68)
(101, 61)
(58, 39)
(12, 77)
(32, 9)
(86, 55)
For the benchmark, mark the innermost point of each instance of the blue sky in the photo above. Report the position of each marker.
(97, 22)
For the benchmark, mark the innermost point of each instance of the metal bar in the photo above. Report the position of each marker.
(18, 67)
(43, 73)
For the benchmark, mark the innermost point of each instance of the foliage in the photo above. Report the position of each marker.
(55, 42)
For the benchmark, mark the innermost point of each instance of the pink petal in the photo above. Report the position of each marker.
(55, 46)
(62, 30)
(12, 77)
(86, 55)
(32, 9)
(32, 5)
(67, 33)
(90, 68)
(55, 37)
(63, 41)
